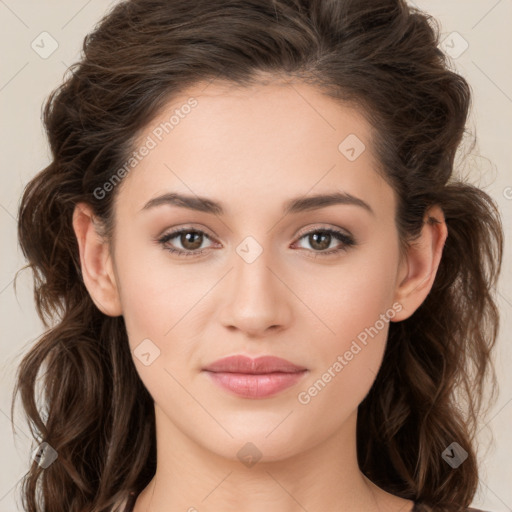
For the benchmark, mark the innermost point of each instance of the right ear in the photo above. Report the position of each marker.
(96, 263)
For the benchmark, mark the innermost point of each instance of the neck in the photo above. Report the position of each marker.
(190, 477)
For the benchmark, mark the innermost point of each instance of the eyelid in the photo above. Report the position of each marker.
(312, 228)
(174, 232)
(181, 227)
(315, 227)
(303, 231)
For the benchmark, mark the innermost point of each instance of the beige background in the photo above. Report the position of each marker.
(27, 78)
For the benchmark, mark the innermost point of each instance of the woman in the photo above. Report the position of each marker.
(265, 287)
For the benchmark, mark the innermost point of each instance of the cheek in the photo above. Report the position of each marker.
(158, 303)
(347, 362)
(352, 296)
(155, 294)
(356, 306)
(163, 308)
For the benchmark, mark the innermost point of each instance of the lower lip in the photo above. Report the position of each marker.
(256, 386)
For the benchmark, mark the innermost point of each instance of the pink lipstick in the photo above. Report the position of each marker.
(254, 378)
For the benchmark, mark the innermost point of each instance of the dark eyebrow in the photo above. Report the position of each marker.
(306, 203)
(295, 205)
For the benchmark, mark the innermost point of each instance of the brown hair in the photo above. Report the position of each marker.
(381, 56)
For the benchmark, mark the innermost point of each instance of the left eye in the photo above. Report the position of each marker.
(192, 239)
(322, 238)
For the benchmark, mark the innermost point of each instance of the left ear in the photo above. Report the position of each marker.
(95, 261)
(419, 267)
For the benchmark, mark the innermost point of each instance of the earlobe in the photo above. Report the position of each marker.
(419, 268)
(95, 261)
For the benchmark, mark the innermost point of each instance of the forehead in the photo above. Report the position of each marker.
(268, 141)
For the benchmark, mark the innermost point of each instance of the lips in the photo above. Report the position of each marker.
(260, 365)
(254, 378)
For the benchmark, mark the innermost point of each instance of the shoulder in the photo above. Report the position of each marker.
(418, 507)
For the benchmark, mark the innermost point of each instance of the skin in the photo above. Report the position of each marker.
(252, 150)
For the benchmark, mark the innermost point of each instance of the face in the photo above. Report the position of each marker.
(260, 268)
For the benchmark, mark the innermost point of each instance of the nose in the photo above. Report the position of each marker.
(257, 298)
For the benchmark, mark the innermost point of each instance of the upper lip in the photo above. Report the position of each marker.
(260, 365)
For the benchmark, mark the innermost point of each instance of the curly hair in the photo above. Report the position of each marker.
(382, 57)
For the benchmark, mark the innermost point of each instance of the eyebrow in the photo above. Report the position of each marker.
(294, 205)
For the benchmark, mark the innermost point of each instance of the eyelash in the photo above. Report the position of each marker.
(347, 240)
